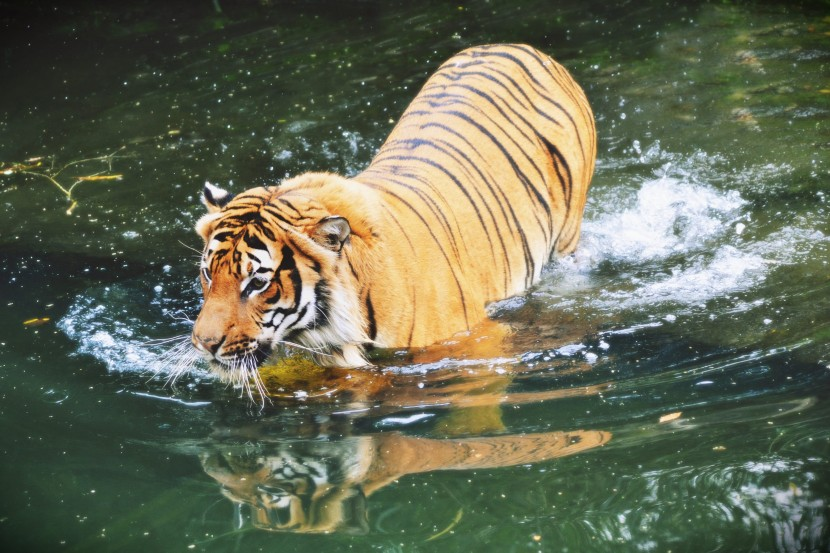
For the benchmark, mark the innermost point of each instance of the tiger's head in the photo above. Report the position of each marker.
(297, 487)
(273, 271)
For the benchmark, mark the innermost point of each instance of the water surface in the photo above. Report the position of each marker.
(666, 388)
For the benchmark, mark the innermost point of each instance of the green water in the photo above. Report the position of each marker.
(700, 292)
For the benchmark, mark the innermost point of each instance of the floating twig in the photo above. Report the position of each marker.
(452, 525)
(36, 167)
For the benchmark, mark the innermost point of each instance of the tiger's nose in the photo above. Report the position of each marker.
(208, 345)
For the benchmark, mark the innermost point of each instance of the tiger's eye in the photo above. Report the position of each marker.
(256, 284)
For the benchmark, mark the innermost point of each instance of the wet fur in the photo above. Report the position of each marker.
(483, 178)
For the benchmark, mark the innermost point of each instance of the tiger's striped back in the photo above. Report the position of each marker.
(489, 167)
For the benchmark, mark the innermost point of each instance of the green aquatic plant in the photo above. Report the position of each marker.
(46, 167)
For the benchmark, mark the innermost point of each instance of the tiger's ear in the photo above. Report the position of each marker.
(215, 198)
(204, 226)
(332, 232)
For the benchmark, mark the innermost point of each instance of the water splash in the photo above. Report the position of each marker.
(121, 334)
(666, 215)
(675, 239)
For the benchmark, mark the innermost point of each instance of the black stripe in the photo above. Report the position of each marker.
(273, 299)
(458, 75)
(243, 203)
(501, 111)
(254, 242)
(352, 269)
(429, 100)
(267, 232)
(272, 211)
(322, 297)
(527, 71)
(224, 235)
(289, 205)
(428, 227)
(284, 311)
(289, 264)
(559, 161)
(254, 196)
(451, 176)
(300, 314)
(370, 315)
(244, 218)
(523, 178)
(426, 198)
(439, 98)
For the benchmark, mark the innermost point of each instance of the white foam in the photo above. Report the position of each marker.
(674, 239)
(728, 271)
(99, 335)
(115, 336)
(665, 216)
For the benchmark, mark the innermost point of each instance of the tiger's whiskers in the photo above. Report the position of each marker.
(191, 248)
(242, 373)
(181, 316)
(176, 361)
(315, 351)
(164, 341)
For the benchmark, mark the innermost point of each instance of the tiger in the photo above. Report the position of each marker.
(481, 181)
(321, 485)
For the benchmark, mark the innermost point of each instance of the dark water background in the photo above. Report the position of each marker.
(701, 286)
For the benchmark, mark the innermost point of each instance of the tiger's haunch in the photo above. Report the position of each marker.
(484, 177)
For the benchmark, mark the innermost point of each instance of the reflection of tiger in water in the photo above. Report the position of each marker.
(484, 176)
(321, 485)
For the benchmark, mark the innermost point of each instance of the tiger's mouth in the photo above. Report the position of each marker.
(241, 371)
(248, 360)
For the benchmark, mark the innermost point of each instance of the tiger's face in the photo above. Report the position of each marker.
(269, 273)
(297, 487)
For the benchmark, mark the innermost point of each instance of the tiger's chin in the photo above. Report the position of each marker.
(245, 365)
(233, 369)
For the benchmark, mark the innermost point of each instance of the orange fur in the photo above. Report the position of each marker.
(483, 178)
